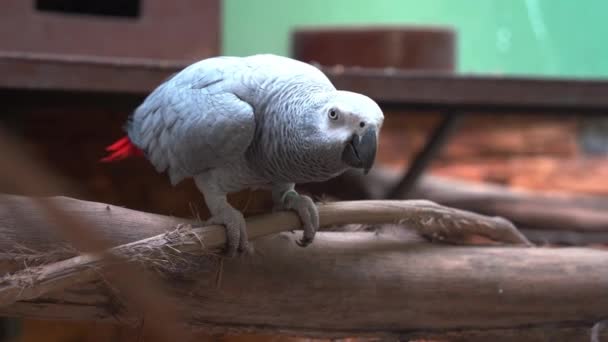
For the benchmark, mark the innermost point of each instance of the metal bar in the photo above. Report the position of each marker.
(423, 159)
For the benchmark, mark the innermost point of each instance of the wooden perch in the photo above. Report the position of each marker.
(345, 283)
(558, 217)
(429, 219)
(532, 209)
(362, 283)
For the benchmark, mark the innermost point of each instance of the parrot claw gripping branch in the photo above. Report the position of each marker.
(263, 121)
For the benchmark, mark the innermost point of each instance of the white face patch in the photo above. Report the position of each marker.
(341, 134)
(336, 130)
(355, 113)
(361, 107)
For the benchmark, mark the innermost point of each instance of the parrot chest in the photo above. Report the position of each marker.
(238, 176)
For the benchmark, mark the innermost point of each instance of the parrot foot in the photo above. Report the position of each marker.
(306, 210)
(236, 232)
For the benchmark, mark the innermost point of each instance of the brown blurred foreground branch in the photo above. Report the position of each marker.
(427, 218)
(345, 283)
(29, 176)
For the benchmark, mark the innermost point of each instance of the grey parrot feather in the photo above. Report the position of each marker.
(194, 121)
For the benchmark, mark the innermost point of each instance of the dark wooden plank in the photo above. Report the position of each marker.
(78, 73)
(474, 92)
(389, 87)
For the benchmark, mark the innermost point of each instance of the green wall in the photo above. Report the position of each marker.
(543, 37)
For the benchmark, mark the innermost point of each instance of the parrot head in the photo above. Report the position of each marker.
(352, 122)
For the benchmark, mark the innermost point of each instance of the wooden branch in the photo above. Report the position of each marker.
(427, 218)
(31, 176)
(532, 209)
(344, 283)
(364, 283)
(574, 214)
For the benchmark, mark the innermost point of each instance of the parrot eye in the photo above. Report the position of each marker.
(333, 114)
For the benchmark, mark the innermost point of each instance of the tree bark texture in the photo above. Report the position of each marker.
(561, 218)
(345, 283)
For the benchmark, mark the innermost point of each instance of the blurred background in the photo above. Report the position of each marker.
(73, 71)
(537, 37)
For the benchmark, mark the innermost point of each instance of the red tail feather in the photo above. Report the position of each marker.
(121, 149)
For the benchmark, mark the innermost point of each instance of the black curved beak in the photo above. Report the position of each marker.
(360, 152)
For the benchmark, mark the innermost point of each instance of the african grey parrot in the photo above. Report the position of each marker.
(262, 121)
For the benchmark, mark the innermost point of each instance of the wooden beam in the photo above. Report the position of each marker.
(389, 87)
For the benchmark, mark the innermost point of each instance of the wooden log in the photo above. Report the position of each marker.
(532, 209)
(363, 283)
(565, 217)
(25, 229)
(429, 219)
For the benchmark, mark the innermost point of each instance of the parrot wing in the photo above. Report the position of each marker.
(195, 121)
